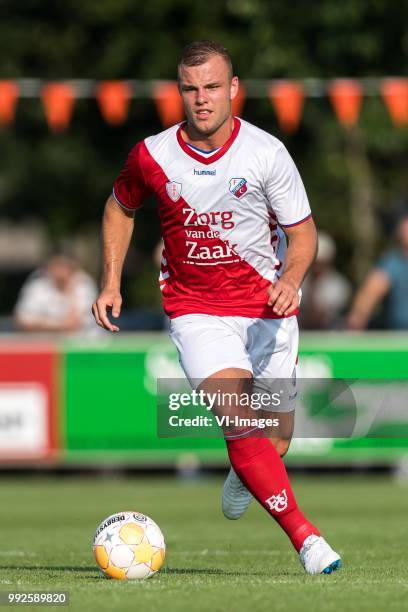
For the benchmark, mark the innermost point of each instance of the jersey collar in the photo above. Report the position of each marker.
(208, 159)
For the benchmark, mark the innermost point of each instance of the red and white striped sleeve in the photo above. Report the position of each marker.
(130, 187)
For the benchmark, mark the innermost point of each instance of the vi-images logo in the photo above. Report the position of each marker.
(278, 502)
(173, 190)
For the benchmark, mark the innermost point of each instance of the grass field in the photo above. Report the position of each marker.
(212, 564)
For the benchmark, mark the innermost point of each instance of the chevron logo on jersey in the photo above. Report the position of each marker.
(238, 186)
(173, 190)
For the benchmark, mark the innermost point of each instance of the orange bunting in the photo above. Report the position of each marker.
(58, 100)
(345, 96)
(113, 99)
(8, 100)
(239, 101)
(395, 94)
(168, 103)
(287, 99)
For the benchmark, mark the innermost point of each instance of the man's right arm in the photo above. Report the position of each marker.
(117, 228)
(373, 290)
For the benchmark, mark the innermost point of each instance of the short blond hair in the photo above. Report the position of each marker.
(199, 52)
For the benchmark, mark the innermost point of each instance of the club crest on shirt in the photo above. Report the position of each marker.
(238, 186)
(173, 190)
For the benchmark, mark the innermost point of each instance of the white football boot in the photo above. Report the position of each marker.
(235, 497)
(317, 557)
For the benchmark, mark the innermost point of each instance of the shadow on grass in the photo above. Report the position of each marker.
(49, 568)
(210, 570)
(95, 573)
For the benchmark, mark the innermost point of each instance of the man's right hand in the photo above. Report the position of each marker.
(108, 299)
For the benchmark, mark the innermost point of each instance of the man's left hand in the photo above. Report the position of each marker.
(283, 296)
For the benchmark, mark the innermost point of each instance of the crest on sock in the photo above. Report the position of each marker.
(278, 502)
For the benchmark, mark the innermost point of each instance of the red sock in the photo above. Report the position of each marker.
(261, 469)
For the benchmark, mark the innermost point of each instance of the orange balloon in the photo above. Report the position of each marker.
(287, 98)
(8, 99)
(113, 99)
(168, 103)
(58, 100)
(395, 94)
(345, 96)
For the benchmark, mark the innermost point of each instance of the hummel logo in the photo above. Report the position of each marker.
(278, 502)
(204, 172)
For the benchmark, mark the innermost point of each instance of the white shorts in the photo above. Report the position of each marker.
(268, 348)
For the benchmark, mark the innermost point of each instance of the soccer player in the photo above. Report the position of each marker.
(230, 283)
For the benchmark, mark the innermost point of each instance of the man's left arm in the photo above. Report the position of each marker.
(302, 247)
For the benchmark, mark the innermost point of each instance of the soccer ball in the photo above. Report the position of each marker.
(129, 546)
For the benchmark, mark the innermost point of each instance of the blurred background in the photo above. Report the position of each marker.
(80, 83)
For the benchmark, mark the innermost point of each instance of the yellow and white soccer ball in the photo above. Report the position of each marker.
(129, 546)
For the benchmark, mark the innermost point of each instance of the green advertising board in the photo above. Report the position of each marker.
(110, 399)
(110, 411)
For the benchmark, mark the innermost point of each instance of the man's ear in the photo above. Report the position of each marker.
(234, 87)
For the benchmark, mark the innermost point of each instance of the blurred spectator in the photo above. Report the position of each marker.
(158, 253)
(387, 283)
(57, 298)
(325, 292)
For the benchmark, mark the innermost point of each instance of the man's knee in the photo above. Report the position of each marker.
(231, 387)
(281, 435)
(281, 445)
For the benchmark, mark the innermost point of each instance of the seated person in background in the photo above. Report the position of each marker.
(325, 292)
(388, 281)
(56, 298)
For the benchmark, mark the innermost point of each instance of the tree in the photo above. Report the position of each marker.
(64, 179)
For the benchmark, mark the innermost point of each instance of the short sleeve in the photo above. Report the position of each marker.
(285, 191)
(130, 188)
(389, 264)
(35, 297)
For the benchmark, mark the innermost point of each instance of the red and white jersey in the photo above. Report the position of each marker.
(220, 216)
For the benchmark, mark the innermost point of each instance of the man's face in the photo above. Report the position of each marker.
(207, 91)
(61, 271)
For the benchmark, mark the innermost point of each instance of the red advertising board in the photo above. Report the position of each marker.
(29, 377)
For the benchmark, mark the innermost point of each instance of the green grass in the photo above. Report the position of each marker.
(212, 564)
